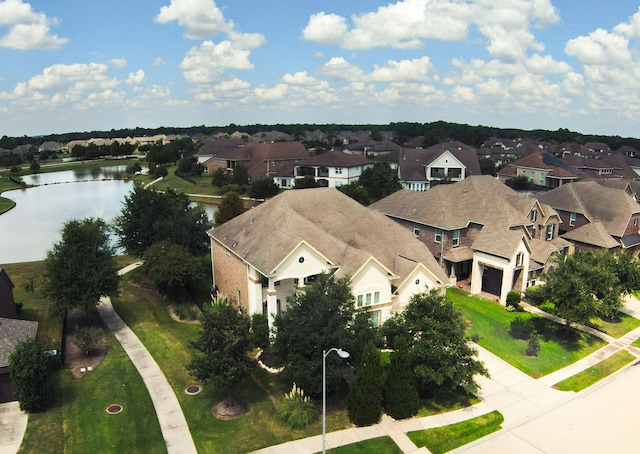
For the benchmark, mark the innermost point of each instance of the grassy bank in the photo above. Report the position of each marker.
(595, 373)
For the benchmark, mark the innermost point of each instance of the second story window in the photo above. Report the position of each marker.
(549, 235)
(534, 215)
(572, 219)
(456, 238)
(519, 259)
(416, 229)
(438, 238)
(339, 170)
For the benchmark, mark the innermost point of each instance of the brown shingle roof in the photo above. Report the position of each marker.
(594, 233)
(13, 331)
(336, 158)
(345, 232)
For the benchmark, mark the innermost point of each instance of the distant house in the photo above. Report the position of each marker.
(482, 233)
(595, 216)
(262, 256)
(541, 169)
(12, 331)
(332, 169)
(262, 159)
(420, 169)
(371, 148)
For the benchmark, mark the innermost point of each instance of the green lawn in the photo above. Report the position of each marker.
(446, 438)
(491, 322)
(69, 425)
(6, 204)
(618, 328)
(381, 445)
(595, 373)
(167, 340)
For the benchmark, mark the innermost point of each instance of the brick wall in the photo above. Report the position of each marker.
(230, 274)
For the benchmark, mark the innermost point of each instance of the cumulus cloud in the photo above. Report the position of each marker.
(27, 29)
(408, 24)
(402, 71)
(79, 76)
(159, 61)
(118, 62)
(201, 18)
(136, 78)
(339, 69)
(207, 63)
(600, 48)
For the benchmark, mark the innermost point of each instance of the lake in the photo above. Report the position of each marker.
(31, 228)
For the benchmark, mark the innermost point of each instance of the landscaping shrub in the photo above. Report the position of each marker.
(86, 338)
(533, 346)
(364, 403)
(185, 312)
(401, 399)
(513, 301)
(260, 330)
(297, 409)
(29, 371)
(521, 328)
(535, 295)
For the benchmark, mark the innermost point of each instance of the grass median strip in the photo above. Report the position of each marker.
(446, 438)
(595, 373)
(381, 445)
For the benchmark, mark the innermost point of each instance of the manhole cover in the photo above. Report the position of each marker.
(114, 409)
(192, 389)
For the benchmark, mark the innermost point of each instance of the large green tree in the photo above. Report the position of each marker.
(379, 181)
(30, 376)
(80, 268)
(263, 188)
(439, 352)
(401, 399)
(318, 317)
(148, 217)
(172, 268)
(230, 207)
(221, 355)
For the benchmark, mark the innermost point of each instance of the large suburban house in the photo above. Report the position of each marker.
(541, 169)
(596, 216)
(262, 256)
(420, 169)
(484, 235)
(262, 159)
(332, 169)
(12, 331)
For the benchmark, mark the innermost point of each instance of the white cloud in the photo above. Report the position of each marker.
(404, 70)
(136, 78)
(207, 63)
(79, 76)
(202, 18)
(118, 62)
(340, 69)
(299, 78)
(546, 65)
(600, 48)
(27, 28)
(159, 61)
(408, 23)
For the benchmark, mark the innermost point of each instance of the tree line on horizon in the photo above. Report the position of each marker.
(434, 132)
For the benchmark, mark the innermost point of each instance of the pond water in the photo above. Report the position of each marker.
(66, 176)
(31, 228)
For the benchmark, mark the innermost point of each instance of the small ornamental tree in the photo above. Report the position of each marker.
(364, 402)
(223, 347)
(86, 338)
(401, 399)
(533, 346)
(260, 330)
(230, 207)
(29, 373)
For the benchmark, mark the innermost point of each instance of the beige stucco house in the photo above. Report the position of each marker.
(260, 257)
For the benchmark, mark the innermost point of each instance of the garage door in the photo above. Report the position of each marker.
(492, 280)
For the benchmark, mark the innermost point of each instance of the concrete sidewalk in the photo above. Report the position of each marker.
(173, 424)
(13, 424)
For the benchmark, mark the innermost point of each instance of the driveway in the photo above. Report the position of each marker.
(13, 424)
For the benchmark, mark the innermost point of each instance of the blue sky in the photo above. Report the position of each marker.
(77, 65)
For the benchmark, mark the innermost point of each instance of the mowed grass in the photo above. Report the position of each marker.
(489, 320)
(168, 340)
(618, 328)
(6, 204)
(446, 438)
(76, 420)
(381, 445)
(595, 373)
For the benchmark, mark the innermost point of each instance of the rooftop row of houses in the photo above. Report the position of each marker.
(477, 234)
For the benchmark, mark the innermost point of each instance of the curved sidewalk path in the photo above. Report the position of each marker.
(173, 424)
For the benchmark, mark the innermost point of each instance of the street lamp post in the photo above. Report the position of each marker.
(344, 355)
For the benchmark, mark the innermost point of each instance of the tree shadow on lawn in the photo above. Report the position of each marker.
(567, 337)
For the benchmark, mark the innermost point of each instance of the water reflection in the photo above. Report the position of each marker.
(71, 176)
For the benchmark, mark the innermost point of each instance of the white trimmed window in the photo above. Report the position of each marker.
(572, 219)
(456, 238)
(438, 238)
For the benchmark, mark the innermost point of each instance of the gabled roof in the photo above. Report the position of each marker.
(504, 244)
(613, 207)
(338, 227)
(12, 331)
(594, 233)
(336, 158)
(412, 161)
(478, 199)
(546, 161)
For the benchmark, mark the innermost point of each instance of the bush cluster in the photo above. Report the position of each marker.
(297, 409)
(521, 328)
